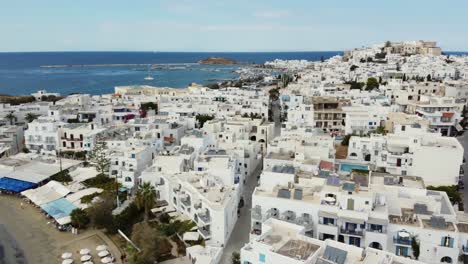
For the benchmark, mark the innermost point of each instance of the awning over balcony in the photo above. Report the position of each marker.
(377, 221)
(353, 216)
(447, 114)
(327, 214)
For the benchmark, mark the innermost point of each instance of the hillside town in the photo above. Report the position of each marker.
(354, 159)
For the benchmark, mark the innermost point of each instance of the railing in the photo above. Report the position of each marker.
(351, 232)
(205, 218)
(383, 231)
(205, 233)
(465, 249)
(402, 241)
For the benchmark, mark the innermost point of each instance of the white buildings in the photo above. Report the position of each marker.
(78, 136)
(11, 140)
(283, 242)
(42, 136)
(413, 152)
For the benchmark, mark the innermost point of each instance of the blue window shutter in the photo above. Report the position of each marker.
(451, 242)
(442, 241)
(262, 257)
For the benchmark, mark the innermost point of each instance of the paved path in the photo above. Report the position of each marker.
(241, 233)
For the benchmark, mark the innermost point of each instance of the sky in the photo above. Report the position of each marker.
(225, 25)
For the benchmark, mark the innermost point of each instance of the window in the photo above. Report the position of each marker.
(261, 258)
(446, 241)
(128, 179)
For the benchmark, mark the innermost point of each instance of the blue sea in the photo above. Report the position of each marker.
(21, 73)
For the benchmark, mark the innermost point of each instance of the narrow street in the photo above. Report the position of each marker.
(241, 232)
(464, 141)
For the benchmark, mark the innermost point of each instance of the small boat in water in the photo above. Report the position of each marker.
(149, 77)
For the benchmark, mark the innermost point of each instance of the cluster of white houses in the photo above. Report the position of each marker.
(315, 202)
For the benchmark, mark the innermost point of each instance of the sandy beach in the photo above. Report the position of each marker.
(26, 231)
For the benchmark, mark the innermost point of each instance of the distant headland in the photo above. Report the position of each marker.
(217, 60)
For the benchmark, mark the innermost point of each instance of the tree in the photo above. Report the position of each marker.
(201, 119)
(428, 78)
(380, 130)
(353, 67)
(415, 246)
(145, 198)
(388, 44)
(372, 83)
(98, 157)
(31, 117)
(451, 191)
(235, 258)
(100, 213)
(149, 106)
(345, 141)
(79, 218)
(62, 176)
(151, 242)
(11, 117)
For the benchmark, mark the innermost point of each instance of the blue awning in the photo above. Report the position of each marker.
(14, 185)
(59, 208)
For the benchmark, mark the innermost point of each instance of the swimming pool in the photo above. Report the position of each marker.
(350, 167)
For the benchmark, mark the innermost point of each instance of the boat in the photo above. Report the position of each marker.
(149, 77)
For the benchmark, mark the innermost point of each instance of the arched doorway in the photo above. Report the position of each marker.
(446, 260)
(376, 245)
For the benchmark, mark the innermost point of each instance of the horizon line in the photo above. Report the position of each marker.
(169, 51)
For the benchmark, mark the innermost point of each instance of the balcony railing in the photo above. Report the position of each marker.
(402, 241)
(465, 249)
(353, 232)
(205, 218)
(206, 234)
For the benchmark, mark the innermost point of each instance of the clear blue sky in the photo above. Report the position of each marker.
(221, 25)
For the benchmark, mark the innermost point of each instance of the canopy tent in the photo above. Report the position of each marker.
(14, 185)
(58, 209)
(50, 192)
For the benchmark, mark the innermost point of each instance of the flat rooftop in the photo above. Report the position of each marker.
(285, 241)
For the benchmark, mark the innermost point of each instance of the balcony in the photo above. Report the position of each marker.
(204, 217)
(465, 249)
(351, 232)
(406, 241)
(256, 228)
(205, 233)
(257, 213)
(186, 201)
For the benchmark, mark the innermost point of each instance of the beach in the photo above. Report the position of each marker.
(26, 236)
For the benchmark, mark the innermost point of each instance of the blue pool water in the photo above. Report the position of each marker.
(350, 167)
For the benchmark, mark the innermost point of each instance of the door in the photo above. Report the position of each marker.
(350, 204)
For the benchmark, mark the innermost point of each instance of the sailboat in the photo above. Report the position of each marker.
(149, 77)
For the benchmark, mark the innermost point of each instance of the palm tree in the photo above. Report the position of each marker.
(145, 198)
(30, 117)
(11, 117)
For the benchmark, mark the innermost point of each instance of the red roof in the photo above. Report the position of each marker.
(326, 165)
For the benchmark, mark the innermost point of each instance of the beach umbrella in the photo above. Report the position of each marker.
(101, 247)
(85, 251)
(88, 262)
(85, 258)
(106, 260)
(67, 261)
(103, 253)
(66, 255)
